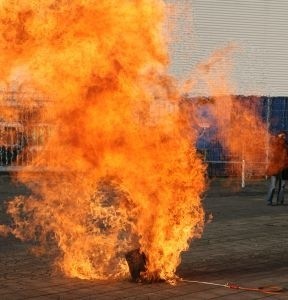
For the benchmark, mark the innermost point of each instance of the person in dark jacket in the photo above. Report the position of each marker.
(282, 182)
(277, 167)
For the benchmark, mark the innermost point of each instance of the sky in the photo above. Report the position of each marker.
(258, 28)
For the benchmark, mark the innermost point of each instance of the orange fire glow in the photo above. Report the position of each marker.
(121, 176)
(240, 127)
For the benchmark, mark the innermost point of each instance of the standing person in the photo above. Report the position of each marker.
(283, 179)
(277, 167)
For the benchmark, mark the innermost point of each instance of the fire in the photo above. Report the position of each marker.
(240, 127)
(120, 177)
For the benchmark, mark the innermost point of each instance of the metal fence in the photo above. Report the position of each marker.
(23, 132)
(274, 113)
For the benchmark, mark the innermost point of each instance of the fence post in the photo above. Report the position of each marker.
(243, 174)
(268, 116)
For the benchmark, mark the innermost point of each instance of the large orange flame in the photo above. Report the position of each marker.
(123, 170)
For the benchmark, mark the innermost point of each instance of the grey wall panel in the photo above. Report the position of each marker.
(258, 27)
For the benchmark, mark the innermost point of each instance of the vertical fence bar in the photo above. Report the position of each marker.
(243, 174)
(268, 115)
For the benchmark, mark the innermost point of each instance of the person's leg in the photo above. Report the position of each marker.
(271, 190)
(280, 197)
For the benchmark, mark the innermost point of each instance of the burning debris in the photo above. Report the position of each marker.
(137, 264)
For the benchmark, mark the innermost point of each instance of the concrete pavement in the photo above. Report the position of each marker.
(246, 243)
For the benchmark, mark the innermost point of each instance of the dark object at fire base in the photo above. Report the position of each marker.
(136, 263)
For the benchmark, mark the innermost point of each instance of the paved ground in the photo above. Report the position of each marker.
(246, 243)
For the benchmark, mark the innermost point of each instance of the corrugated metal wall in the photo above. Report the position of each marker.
(258, 27)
